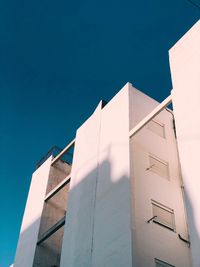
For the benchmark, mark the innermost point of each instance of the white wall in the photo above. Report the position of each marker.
(98, 223)
(78, 229)
(109, 199)
(151, 240)
(32, 215)
(112, 224)
(185, 71)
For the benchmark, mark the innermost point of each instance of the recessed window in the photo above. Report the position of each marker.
(163, 215)
(160, 263)
(158, 166)
(157, 127)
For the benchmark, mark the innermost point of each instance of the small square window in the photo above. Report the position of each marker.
(163, 215)
(156, 127)
(160, 263)
(158, 166)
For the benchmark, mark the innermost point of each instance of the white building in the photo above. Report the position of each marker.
(130, 197)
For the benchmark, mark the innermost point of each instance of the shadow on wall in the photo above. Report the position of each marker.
(98, 226)
(97, 230)
(193, 231)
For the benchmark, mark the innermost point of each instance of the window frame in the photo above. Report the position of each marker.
(160, 124)
(167, 209)
(165, 264)
(150, 155)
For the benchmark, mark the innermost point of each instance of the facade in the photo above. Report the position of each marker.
(124, 192)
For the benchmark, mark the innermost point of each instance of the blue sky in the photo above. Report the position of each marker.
(58, 59)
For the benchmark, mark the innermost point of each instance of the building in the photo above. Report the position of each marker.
(125, 191)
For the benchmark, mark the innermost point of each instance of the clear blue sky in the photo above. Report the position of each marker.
(58, 59)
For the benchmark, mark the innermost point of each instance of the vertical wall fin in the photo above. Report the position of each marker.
(78, 235)
(32, 216)
(185, 72)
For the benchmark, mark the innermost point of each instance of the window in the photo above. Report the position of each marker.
(158, 166)
(160, 263)
(156, 127)
(163, 215)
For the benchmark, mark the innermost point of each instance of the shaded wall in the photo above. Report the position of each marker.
(48, 252)
(32, 216)
(98, 224)
(185, 71)
(151, 240)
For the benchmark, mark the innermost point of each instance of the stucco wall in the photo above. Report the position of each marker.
(77, 240)
(32, 216)
(112, 224)
(98, 230)
(150, 239)
(185, 71)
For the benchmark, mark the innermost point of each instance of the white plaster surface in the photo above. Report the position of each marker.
(110, 199)
(150, 240)
(112, 223)
(77, 240)
(185, 71)
(32, 215)
(98, 223)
